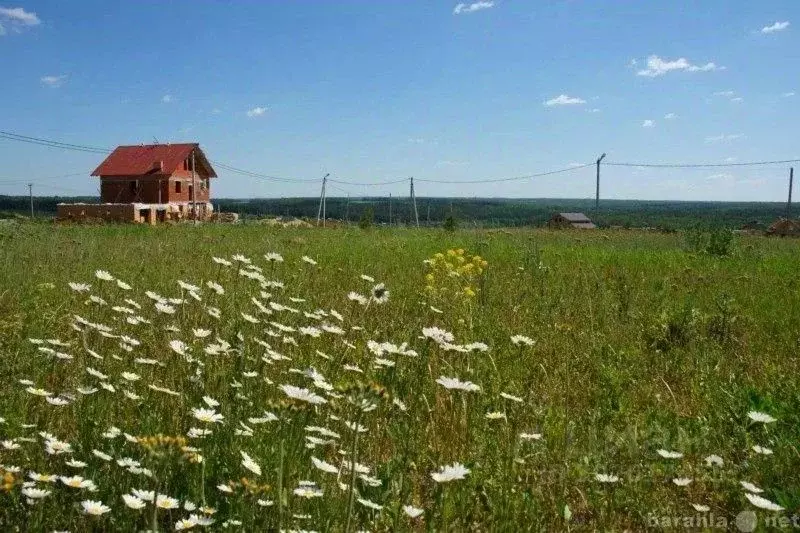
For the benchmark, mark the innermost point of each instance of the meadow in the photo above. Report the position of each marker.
(255, 378)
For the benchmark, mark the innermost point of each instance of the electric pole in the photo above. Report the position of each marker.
(321, 210)
(30, 193)
(597, 190)
(789, 204)
(390, 209)
(414, 200)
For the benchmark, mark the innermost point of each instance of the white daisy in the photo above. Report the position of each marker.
(762, 503)
(763, 418)
(95, 508)
(448, 473)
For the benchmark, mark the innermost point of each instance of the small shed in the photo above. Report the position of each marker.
(571, 220)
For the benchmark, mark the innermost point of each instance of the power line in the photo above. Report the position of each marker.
(703, 165)
(34, 180)
(364, 184)
(516, 178)
(52, 144)
(251, 174)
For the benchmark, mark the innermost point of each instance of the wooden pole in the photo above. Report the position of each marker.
(347, 210)
(390, 209)
(30, 193)
(789, 203)
(597, 189)
(414, 200)
(322, 199)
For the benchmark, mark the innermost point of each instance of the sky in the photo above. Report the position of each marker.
(370, 92)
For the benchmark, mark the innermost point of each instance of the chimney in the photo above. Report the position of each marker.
(158, 165)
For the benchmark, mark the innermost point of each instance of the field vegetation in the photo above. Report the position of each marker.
(255, 378)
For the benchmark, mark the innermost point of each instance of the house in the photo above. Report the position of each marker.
(571, 220)
(150, 183)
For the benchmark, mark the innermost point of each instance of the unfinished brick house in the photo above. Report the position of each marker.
(150, 183)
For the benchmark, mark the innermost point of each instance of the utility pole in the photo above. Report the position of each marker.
(194, 191)
(321, 210)
(347, 210)
(390, 209)
(597, 190)
(789, 204)
(429, 213)
(30, 193)
(414, 201)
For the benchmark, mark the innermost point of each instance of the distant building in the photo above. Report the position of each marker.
(571, 220)
(150, 183)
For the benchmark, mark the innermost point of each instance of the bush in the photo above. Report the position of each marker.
(450, 223)
(717, 242)
(367, 218)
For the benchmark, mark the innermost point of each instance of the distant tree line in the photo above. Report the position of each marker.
(484, 212)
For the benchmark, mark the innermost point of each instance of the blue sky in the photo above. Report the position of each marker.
(375, 91)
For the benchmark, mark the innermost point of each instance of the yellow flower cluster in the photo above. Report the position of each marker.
(454, 274)
(7, 481)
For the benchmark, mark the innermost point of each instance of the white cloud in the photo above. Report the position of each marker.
(473, 7)
(563, 99)
(648, 124)
(737, 99)
(721, 176)
(778, 26)
(723, 138)
(54, 81)
(670, 116)
(256, 111)
(167, 98)
(594, 110)
(17, 18)
(658, 67)
(726, 94)
(788, 95)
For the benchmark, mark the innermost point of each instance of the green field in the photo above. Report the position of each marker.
(639, 345)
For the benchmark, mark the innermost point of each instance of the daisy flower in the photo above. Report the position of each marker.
(273, 257)
(762, 503)
(80, 287)
(411, 511)
(359, 299)
(133, 502)
(303, 395)
(449, 473)
(455, 383)
(666, 454)
(519, 340)
(308, 260)
(207, 415)
(166, 502)
(682, 481)
(34, 493)
(606, 478)
(749, 487)
(760, 417)
(370, 504)
(324, 466)
(714, 460)
(380, 294)
(95, 508)
(103, 275)
(250, 464)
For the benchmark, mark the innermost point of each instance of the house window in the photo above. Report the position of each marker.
(178, 187)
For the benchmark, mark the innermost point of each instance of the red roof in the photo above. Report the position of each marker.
(151, 159)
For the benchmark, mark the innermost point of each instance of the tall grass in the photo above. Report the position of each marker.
(639, 346)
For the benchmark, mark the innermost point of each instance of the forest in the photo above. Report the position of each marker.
(472, 212)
